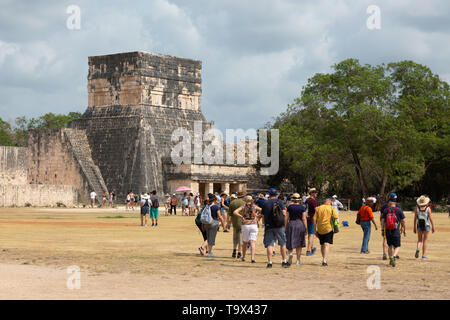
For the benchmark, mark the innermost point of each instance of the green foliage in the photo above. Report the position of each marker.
(5, 133)
(365, 129)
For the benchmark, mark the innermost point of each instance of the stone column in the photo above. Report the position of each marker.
(209, 187)
(195, 187)
(225, 188)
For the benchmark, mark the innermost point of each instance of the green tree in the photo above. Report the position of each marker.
(5, 133)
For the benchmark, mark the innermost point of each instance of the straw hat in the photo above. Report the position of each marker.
(145, 196)
(248, 199)
(312, 190)
(233, 196)
(296, 196)
(240, 194)
(422, 201)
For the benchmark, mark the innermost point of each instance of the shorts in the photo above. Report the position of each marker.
(427, 228)
(310, 227)
(393, 238)
(145, 210)
(271, 236)
(326, 238)
(154, 213)
(223, 211)
(249, 232)
(211, 232)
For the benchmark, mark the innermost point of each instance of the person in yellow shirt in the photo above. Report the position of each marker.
(324, 230)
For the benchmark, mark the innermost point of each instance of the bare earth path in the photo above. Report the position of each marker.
(121, 260)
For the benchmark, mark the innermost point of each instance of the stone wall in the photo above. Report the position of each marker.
(52, 162)
(13, 165)
(37, 195)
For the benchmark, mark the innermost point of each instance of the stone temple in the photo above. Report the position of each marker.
(123, 140)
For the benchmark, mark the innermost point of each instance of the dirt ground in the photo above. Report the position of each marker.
(119, 259)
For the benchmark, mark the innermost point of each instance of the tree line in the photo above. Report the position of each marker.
(16, 134)
(365, 130)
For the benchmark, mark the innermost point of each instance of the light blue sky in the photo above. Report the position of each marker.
(256, 54)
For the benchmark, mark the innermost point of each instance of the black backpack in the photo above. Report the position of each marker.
(277, 215)
(155, 203)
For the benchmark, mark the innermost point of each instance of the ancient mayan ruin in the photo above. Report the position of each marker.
(123, 140)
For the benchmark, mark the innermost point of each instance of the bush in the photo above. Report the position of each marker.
(59, 204)
(27, 204)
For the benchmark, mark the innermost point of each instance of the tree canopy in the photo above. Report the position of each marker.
(366, 130)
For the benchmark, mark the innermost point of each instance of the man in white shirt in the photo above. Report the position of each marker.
(93, 196)
(336, 204)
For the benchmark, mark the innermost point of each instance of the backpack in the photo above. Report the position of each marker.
(205, 216)
(422, 218)
(334, 223)
(391, 219)
(146, 203)
(155, 203)
(277, 215)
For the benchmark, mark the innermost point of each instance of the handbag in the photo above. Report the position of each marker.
(358, 217)
(334, 223)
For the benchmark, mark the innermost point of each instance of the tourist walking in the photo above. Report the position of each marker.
(311, 204)
(93, 195)
(274, 227)
(422, 223)
(145, 209)
(112, 198)
(365, 218)
(249, 215)
(198, 203)
(166, 204)
(393, 223)
(393, 198)
(236, 224)
(173, 204)
(154, 213)
(211, 229)
(204, 247)
(105, 198)
(324, 229)
(191, 204)
(224, 209)
(296, 228)
(336, 204)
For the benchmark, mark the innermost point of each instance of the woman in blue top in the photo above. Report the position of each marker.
(296, 227)
(211, 229)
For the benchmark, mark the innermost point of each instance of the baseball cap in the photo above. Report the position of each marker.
(393, 196)
(212, 196)
(273, 191)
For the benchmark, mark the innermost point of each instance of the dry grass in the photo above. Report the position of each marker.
(110, 244)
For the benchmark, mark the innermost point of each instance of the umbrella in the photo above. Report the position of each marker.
(181, 189)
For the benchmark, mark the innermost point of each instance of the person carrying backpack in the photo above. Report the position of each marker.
(275, 220)
(211, 219)
(311, 205)
(203, 248)
(145, 209)
(422, 222)
(154, 214)
(392, 198)
(393, 222)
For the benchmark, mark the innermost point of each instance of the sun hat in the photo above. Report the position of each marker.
(296, 196)
(372, 199)
(312, 190)
(240, 194)
(273, 191)
(422, 201)
(248, 198)
(233, 196)
(145, 196)
(335, 196)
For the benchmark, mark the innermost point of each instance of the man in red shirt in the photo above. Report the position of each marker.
(311, 205)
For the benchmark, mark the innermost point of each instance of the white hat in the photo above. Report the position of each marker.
(374, 200)
(335, 196)
(422, 201)
(145, 196)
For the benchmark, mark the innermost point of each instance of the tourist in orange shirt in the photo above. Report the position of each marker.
(366, 217)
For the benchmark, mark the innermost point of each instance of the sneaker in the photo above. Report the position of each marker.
(253, 261)
(239, 255)
(313, 251)
(291, 256)
(384, 256)
(324, 264)
(234, 254)
(210, 255)
(308, 253)
(366, 252)
(243, 259)
(298, 262)
(285, 264)
(201, 251)
(226, 230)
(156, 225)
(153, 224)
(269, 265)
(397, 257)
(424, 258)
(392, 261)
(417, 253)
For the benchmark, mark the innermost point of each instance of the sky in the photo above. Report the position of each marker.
(256, 55)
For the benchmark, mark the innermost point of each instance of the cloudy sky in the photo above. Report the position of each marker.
(256, 55)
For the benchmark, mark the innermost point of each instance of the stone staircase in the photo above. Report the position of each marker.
(81, 149)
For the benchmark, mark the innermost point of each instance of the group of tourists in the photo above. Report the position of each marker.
(107, 197)
(294, 224)
(149, 207)
(190, 204)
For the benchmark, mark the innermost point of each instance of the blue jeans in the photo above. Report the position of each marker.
(366, 226)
